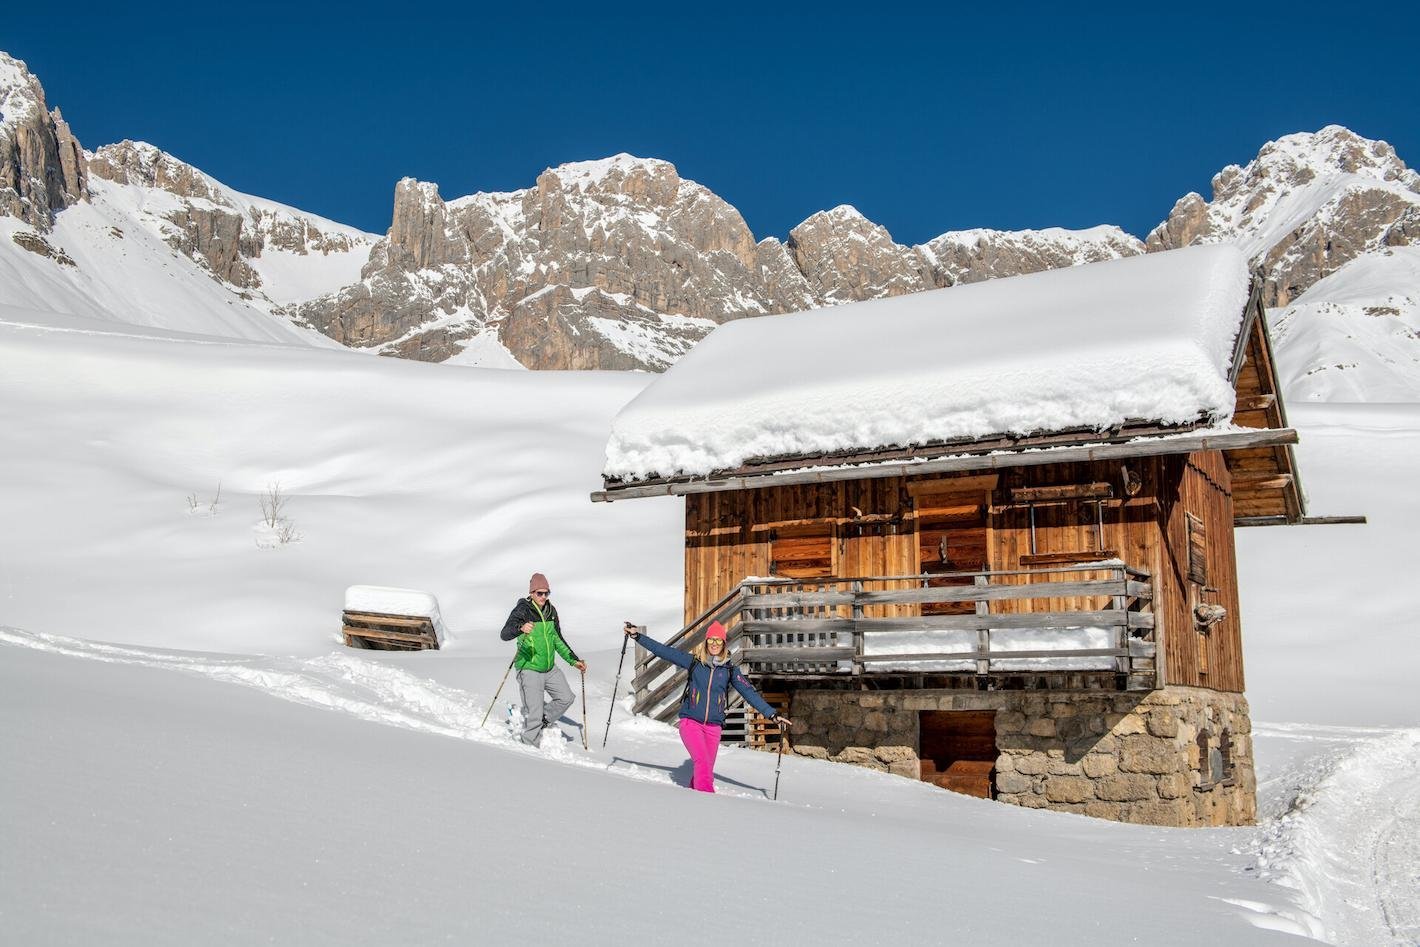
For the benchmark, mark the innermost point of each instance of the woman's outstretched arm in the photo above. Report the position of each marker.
(664, 652)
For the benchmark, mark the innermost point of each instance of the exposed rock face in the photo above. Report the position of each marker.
(41, 163)
(621, 263)
(969, 256)
(667, 258)
(847, 258)
(214, 225)
(1304, 207)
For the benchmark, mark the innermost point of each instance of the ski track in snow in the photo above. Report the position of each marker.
(1348, 840)
(352, 685)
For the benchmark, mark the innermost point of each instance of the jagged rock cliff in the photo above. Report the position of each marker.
(41, 163)
(1304, 207)
(621, 263)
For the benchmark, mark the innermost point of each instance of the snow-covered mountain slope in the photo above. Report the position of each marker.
(107, 258)
(1321, 215)
(1305, 206)
(1354, 335)
(131, 234)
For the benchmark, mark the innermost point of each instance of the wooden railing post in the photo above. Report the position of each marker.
(857, 668)
(983, 635)
(1122, 634)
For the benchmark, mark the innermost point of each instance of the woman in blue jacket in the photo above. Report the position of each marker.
(709, 677)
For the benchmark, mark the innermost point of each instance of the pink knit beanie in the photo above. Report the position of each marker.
(716, 630)
(538, 581)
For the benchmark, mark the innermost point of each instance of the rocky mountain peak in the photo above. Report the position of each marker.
(41, 162)
(1303, 207)
(845, 257)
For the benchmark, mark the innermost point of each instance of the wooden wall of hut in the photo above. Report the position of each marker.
(959, 523)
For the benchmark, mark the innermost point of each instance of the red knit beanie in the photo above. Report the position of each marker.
(716, 630)
(538, 581)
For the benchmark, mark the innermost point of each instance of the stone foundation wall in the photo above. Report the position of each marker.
(1129, 757)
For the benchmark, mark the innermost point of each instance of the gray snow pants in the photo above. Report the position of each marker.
(536, 714)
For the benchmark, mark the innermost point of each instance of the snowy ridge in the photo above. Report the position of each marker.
(20, 96)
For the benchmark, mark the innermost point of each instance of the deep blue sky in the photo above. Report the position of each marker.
(931, 119)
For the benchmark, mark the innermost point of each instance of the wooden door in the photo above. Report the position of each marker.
(958, 750)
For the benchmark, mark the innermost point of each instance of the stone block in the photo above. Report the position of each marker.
(1175, 812)
(1126, 725)
(1041, 727)
(1142, 754)
(1062, 710)
(876, 721)
(1032, 764)
(870, 701)
(1096, 725)
(857, 755)
(896, 754)
(1096, 765)
(1162, 723)
(1012, 782)
(812, 752)
(1010, 721)
(1068, 788)
(1063, 767)
(1174, 786)
(1103, 810)
(1124, 787)
(908, 768)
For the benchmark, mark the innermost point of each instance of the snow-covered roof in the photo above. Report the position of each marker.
(1141, 339)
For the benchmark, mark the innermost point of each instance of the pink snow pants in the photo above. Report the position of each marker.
(703, 742)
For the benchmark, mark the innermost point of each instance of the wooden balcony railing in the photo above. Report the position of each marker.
(1088, 617)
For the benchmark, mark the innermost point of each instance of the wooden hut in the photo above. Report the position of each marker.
(983, 536)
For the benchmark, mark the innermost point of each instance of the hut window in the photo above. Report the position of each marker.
(1069, 518)
(1197, 550)
(1205, 769)
(1225, 756)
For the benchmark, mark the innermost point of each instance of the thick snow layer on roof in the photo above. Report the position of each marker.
(1144, 338)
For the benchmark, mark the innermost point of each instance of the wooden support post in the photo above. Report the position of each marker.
(983, 635)
(857, 635)
(1121, 634)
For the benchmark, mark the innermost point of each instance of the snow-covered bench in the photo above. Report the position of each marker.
(388, 619)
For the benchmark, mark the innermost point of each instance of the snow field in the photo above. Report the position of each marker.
(139, 805)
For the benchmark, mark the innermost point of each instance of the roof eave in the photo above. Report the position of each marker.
(992, 459)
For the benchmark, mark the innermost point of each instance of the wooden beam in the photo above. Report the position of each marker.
(1143, 447)
(1071, 491)
(993, 593)
(1261, 481)
(1255, 403)
(1304, 521)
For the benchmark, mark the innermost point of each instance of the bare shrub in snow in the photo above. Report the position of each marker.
(286, 532)
(194, 501)
(272, 504)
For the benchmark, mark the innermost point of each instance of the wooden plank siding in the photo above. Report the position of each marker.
(898, 526)
(1214, 659)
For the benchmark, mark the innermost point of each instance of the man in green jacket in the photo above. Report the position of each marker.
(535, 624)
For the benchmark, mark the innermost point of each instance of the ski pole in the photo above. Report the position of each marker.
(779, 762)
(612, 709)
(584, 711)
(497, 692)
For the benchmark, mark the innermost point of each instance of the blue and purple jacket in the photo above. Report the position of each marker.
(709, 686)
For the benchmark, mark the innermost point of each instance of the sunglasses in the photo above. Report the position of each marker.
(544, 594)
